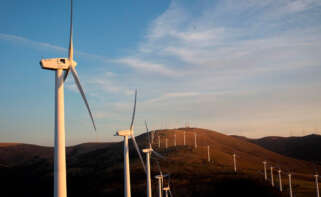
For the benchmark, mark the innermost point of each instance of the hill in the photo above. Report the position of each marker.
(97, 170)
(305, 148)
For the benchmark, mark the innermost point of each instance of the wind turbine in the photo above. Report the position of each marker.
(208, 154)
(167, 189)
(148, 152)
(316, 176)
(280, 180)
(272, 180)
(62, 66)
(126, 134)
(160, 179)
(265, 175)
(184, 138)
(290, 185)
(234, 161)
(195, 140)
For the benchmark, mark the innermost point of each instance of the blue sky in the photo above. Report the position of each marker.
(240, 67)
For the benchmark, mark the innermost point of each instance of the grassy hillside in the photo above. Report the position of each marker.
(96, 169)
(305, 148)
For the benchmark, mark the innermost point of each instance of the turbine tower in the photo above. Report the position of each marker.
(175, 139)
(234, 161)
(159, 179)
(290, 185)
(148, 152)
(62, 66)
(184, 138)
(208, 154)
(265, 174)
(272, 180)
(280, 180)
(159, 145)
(316, 176)
(126, 134)
(195, 140)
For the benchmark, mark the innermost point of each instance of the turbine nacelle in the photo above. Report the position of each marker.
(124, 133)
(57, 63)
(148, 150)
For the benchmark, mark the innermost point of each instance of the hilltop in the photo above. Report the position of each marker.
(96, 169)
(306, 147)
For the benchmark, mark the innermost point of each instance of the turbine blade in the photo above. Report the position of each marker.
(71, 47)
(75, 75)
(158, 166)
(66, 74)
(170, 193)
(148, 135)
(138, 151)
(159, 155)
(134, 110)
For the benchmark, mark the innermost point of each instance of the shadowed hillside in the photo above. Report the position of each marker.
(305, 148)
(96, 169)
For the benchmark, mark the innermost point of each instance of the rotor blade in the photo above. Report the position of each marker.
(170, 193)
(147, 131)
(133, 116)
(158, 166)
(71, 47)
(74, 73)
(138, 151)
(66, 74)
(159, 155)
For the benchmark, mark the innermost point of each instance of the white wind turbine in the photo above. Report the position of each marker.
(62, 66)
(316, 176)
(280, 180)
(148, 152)
(167, 189)
(265, 175)
(290, 185)
(126, 134)
(208, 154)
(234, 161)
(160, 179)
(272, 180)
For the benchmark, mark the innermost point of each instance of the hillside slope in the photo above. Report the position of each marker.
(99, 171)
(306, 148)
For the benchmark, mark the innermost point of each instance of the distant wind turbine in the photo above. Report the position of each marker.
(280, 180)
(316, 176)
(175, 139)
(272, 180)
(126, 134)
(234, 161)
(265, 175)
(159, 145)
(195, 140)
(208, 154)
(148, 152)
(290, 185)
(184, 138)
(62, 66)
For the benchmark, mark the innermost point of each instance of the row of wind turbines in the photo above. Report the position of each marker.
(62, 67)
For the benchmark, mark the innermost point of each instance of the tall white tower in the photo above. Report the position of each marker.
(290, 185)
(195, 141)
(234, 161)
(272, 180)
(148, 152)
(280, 180)
(265, 174)
(316, 176)
(208, 154)
(184, 138)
